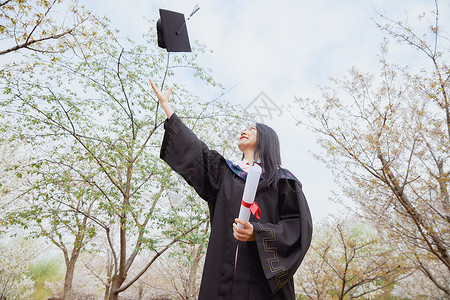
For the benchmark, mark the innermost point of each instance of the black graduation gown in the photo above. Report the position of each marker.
(264, 268)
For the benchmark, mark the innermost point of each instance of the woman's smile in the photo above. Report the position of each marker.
(247, 139)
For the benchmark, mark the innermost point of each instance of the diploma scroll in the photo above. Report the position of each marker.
(251, 184)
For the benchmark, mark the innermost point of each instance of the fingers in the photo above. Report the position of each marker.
(154, 86)
(162, 96)
(243, 234)
(239, 233)
(243, 223)
(158, 91)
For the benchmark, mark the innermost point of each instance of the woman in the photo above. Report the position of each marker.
(271, 248)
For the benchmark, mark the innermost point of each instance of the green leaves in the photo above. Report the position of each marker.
(87, 116)
(349, 258)
(386, 137)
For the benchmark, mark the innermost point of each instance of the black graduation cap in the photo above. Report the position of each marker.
(172, 32)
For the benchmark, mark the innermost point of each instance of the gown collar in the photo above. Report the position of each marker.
(239, 171)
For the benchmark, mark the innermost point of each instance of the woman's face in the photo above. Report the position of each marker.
(247, 139)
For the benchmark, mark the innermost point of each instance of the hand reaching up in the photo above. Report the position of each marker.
(163, 98)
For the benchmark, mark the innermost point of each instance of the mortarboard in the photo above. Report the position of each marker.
(172, 31)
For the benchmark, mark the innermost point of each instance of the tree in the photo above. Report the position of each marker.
(349, 260)
(54, 203)
(184, 264)
(312, 278)
(387, 138)
(9, 181)
(100, 125)
(58, 206)
(42, 26)
(16, 255)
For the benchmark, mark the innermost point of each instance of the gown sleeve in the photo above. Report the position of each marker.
(282, 246)
(191, 158)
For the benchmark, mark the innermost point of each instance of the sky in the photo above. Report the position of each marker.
(283, 49)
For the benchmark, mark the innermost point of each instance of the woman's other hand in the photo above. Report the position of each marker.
(245, 234)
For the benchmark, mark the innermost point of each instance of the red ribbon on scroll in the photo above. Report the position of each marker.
(254, 208)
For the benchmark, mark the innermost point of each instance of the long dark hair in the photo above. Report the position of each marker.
(268, 151)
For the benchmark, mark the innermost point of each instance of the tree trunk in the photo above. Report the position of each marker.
(116, 283)
(114, 286)
(192, 279)
(121, 274)
(109, 271)
(107, 290)
(141, 292)
(68, 279)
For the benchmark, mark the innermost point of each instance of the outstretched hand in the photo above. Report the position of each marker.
(163, 98)
(245, 234)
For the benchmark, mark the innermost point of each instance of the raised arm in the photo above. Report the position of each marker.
(163, 98)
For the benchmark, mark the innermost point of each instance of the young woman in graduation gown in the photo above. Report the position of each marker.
(271, 248)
